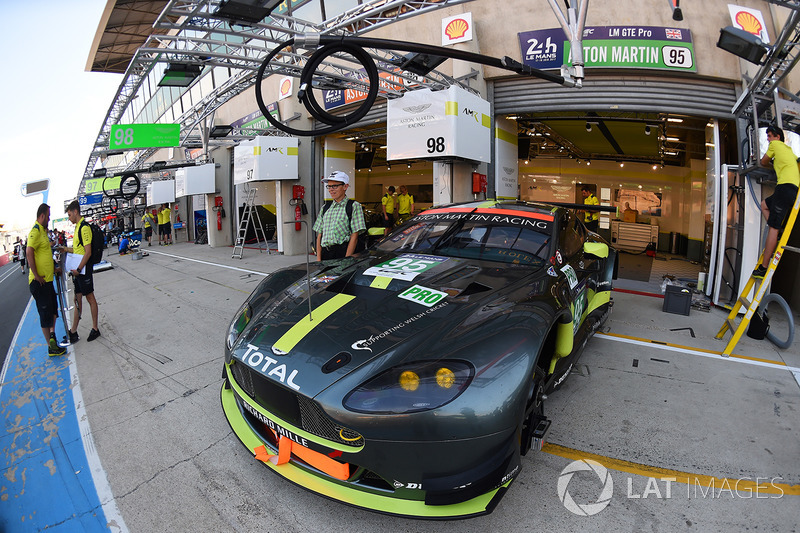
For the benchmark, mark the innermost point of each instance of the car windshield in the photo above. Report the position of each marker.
(472, 240)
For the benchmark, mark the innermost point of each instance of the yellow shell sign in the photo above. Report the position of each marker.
(748, 22)
(456, 28)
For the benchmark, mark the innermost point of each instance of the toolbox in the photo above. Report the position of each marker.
(677, 300)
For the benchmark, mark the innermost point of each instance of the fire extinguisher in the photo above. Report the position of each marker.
(298, 193)
(479, 183)
(220, 211)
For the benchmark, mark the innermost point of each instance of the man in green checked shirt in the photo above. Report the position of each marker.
(337, 232)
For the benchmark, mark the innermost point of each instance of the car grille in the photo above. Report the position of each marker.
(294, 408)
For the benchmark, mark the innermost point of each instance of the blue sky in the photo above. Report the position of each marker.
(52, 108)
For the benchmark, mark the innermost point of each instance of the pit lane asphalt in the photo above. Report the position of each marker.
(647, 411)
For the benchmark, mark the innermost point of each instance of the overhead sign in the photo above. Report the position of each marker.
(265, 158)
(255, 121)
(457, 29)
(750, 20)
(96, 184)
(161, 192)
(133, 136)
(613, 46)
(436, 125)
(195, 180)
(91, 199)
(388, 82)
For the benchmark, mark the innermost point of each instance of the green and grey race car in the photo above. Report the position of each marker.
(410, 379)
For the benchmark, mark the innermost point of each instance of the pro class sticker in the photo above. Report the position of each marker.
(572, 278)
(422, 295)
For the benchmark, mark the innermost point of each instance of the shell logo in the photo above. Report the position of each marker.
(286, 86)
(456, 29)
(748, 22)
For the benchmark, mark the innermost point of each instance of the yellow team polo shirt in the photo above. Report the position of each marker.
(388, 201)
(165, 214)
(784, 162)
(591, 215)
(86, 233)
(42, 254)
(404, 202)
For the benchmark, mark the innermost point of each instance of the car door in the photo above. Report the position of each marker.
(579, 269)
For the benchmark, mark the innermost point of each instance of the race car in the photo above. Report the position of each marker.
(410, 379)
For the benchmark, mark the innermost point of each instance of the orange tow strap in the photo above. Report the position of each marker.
(287, 447)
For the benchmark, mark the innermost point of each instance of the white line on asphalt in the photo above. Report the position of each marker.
(9, 274)
(774, 366)
(209, 263)
(114, 518)
(13, 343)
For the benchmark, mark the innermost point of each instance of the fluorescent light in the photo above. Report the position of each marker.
(674, 139)
(678, 120)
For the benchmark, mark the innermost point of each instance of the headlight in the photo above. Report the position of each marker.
(411, 388)
(240, 321)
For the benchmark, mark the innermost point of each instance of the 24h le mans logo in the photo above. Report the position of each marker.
(587, 509)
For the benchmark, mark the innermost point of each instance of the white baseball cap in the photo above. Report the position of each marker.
(337, 175)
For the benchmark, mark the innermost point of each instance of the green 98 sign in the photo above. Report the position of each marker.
(133, 136)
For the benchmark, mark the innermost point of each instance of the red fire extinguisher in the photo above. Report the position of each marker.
(298, 193)
(220, 212)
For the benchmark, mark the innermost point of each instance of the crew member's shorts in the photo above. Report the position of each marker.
(46, 302)
(388, 222)
(335, 251)
(148, 232)
(84, 283)
(165, 228)
(780, 204)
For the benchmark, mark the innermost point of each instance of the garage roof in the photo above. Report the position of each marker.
(123, 28)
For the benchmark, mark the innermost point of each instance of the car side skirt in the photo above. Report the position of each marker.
(480, 505)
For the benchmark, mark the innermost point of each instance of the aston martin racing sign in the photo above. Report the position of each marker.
(613, 46)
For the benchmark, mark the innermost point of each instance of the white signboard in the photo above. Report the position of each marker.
(506, 168)
(195, 180)
(441, 124)
(161, 192)
(750, 20)
(265, 158)
(457, 29)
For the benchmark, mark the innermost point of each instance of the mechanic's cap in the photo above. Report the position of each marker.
(337, 175)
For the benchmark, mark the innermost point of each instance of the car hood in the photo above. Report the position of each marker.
(359, 318)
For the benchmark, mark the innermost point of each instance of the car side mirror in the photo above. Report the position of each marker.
(597, 249)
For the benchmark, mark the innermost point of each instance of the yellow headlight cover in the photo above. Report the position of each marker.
(445, 378)
(409, 381)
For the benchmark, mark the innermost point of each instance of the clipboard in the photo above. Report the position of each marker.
(72, 262)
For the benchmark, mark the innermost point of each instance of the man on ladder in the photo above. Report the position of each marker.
(776, 208)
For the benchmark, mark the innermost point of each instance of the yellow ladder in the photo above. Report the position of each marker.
(752, 307)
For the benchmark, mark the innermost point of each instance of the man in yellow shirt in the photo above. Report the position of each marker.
(165, 216)
(405, 204)
(590, 218)
(84, 283)
(387, 204)
(147, 221)
(776, 208)
(40, 279)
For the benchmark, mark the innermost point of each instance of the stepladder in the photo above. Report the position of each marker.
(249, 214)
(751, 306)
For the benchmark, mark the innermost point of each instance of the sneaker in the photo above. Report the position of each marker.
(760, 272)
(52, 343)
(93, 335)
(58, 350)
(73, 337)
